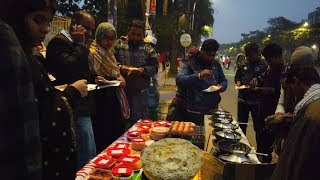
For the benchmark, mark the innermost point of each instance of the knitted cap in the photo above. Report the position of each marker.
(303, 55)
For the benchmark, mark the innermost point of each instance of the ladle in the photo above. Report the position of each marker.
(244, 153)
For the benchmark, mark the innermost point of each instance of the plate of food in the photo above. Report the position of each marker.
(242, 87)
(212, 88)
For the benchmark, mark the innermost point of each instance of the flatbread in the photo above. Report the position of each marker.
(171, 159)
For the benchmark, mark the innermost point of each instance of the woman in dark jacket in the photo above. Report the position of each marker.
(30, 21)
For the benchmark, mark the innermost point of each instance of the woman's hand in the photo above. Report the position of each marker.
(100, 80)
(123, 81)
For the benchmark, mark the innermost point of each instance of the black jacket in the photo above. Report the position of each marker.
(56, 124)
(68, 62)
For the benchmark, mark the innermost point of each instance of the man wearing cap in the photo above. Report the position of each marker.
(137, 64)
(302, 57)
(300, 156)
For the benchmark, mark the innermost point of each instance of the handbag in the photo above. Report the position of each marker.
(124, 105)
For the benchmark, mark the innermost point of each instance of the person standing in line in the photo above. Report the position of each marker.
(19, 133)
(300, 156)
(67, 61)
(199, 73)
(31, 25)
(280, 122)
(271, 92)
(108, 120)
(138, 64)
(252, 74)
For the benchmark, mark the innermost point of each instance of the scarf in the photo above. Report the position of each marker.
(102, 61)
(311, 95)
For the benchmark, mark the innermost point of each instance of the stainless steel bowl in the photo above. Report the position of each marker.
(227, 135)
(220, 125)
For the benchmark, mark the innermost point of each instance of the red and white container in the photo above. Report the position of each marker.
(104, 162)
(122, 173)
(132, 161)
(116, 153)
(146, 122)
(121, 146)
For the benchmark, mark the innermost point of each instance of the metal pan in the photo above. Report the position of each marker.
(227, 135)
(220, 125)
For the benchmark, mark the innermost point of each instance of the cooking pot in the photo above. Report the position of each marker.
(221, 119)
(233, 147)
(227, 135)
(220, 126)
(219, 111)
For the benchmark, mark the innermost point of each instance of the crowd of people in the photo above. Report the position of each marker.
(52, 126)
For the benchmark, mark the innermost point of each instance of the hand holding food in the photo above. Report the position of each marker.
(205, 73)
(254, 82)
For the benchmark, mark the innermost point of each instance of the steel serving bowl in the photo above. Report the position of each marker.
(227, 135)
(233, 147)
(220, 125)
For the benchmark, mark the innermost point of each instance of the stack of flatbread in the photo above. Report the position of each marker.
(171, 159)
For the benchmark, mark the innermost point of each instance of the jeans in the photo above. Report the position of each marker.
(243, 115)
(86, 147)
(139, 106)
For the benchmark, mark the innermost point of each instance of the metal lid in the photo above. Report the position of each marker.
(228, 135)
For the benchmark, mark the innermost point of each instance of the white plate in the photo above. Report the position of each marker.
(212, 89)
(92, 87)
(242, 87)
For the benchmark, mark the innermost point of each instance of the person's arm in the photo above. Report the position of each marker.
(280, 106)
(222, 80)
(151, 68)
(185, 78)
(237, 77)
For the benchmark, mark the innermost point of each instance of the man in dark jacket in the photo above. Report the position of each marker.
(249, 100)
(137, 64)
(67, 61)
(199, 73)
(271, 93)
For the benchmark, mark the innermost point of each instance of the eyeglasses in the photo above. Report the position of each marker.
(109, 38)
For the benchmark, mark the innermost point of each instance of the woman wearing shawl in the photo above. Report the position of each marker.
(111, 104)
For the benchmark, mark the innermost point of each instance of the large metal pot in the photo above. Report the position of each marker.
(233, 147)
(219, 111)
(221, 120)
(227, 135)
(224, 126)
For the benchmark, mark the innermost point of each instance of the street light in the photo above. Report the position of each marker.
(314, 47)
(306, 24)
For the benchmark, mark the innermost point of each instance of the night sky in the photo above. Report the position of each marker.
(234, 17)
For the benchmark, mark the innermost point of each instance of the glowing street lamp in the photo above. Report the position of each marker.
(306, 24)
(314, 47)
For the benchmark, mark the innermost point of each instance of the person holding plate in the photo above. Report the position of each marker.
(201, 72)
(108, 120)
